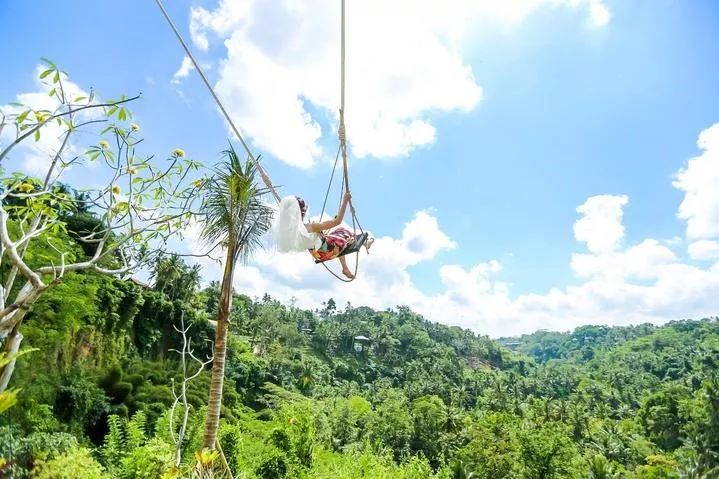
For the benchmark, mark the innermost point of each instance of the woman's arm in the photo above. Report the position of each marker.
(325, 225)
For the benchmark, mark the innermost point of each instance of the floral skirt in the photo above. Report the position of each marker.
(333, 243)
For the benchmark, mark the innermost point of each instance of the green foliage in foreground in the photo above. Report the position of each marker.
(303, 400)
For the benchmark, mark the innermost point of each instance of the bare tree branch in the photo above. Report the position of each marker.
(182, 396)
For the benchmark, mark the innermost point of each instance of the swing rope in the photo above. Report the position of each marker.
(263, 174)
(329, 186)
(343, 150)
(265, 177)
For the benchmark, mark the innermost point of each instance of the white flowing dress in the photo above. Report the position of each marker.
(292, 235)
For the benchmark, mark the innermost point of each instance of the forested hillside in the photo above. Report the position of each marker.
(305, 398)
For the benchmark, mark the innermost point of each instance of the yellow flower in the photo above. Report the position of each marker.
(134, 127)
(178, 152)
(104, 144)
(26, 187)
(206, 457)
(198, 183)
(132, 170)
(40, 117)
(116, 190)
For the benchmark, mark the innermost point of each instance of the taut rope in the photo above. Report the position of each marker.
(263, 174)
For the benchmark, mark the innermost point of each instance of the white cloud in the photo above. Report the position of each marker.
(383, 275)
(641, 261)
(280, 77)
(617, 284)
(35, 156)
(704, 250)
(699, 180)
(599, 14)
(185, 68)
(601, 226)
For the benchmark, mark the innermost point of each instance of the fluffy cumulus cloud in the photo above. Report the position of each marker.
(637, 283)
(34, 156)
(280, 74)
(384, 278)
(601, 224)
(616, 283)
(699, 181)
(704, 250)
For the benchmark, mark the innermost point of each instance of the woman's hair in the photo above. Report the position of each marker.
(303, 206)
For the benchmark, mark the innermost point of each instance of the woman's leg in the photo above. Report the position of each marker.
(345, 269)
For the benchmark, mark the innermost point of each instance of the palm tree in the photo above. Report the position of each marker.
(601, 468)
(451, 418)
(235, 217)
(460, 470)
(175, 278)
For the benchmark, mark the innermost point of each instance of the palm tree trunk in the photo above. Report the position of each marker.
(212, 420)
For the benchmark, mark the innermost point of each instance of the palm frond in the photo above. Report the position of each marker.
(233, 207)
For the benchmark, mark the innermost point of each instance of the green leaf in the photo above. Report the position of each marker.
(56, 78)
(8, 399)
(51, 92)
(80, 98)
(46, 73)
(122, 116)
(21, 117)
(37, 134)
(48, 62)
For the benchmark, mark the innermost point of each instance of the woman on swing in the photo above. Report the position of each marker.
(295, 235)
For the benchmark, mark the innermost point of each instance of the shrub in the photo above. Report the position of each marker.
(274, 467)
(81, 403)
(147, 462)
(77, 463)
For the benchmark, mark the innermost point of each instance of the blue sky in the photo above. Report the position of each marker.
(525, 111)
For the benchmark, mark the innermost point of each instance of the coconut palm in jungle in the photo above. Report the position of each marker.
(235, 218)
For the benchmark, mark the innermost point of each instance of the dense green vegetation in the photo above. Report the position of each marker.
(421, 400)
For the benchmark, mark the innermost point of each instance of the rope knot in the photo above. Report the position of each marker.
(342, 134)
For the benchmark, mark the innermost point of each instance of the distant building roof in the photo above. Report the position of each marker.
(140, 283)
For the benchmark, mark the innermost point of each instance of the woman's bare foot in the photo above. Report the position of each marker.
(346, 269)
(368, 243)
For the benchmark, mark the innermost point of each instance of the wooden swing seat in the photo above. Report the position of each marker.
(354, 247)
